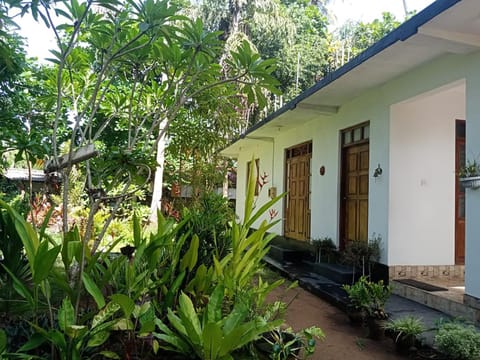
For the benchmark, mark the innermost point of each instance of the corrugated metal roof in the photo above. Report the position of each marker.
(22, 174)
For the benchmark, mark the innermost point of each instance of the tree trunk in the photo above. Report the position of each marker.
(405, 7)
(225, 181)
(235, 10)
(156, 204)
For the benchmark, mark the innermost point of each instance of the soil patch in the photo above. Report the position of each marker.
(343, 340)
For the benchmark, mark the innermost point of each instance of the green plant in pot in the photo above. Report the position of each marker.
(405, 331)
(371, 297)
(469, 174)
(285, 344)
(376, 314)
(470, 169)
(324, 249)
(359, 299)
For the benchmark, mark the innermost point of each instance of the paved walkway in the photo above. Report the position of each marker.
(398, 306)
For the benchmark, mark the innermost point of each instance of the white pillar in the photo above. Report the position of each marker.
(472, 216)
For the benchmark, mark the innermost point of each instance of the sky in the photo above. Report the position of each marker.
(40, 39)
(369, 10)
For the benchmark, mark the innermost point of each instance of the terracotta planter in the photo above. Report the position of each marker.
(376, 328)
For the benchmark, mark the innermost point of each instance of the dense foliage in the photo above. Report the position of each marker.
(157, 298)
(458, 341)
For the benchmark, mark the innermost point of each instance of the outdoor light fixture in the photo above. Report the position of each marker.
(378, 171)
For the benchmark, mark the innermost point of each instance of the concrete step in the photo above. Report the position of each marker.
(445, 301)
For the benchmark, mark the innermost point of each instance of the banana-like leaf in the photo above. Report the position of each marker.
(70, 246)
(76, 331)
(93, 290)
(190, 258)
(176, 322)
(177, 343)
(214, 306)
(190, 320)
(199, 283)
(212, 339)
(26, 233)
(250, 195)
(126, 304)
(249, 221)
(137, 231)
(66, 315)
(98, 338)
(104, 314)
(174, 288)
(44, 261)
(34, 342)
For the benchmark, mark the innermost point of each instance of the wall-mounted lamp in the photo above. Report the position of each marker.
(378, 171)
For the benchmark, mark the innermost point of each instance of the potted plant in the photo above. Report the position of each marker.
(405, 331)
(324, 249)
(359, 300)
(285, 344)
(378, 294)
(356, 254)
(469, 175)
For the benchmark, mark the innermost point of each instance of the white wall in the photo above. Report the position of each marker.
(324, 132)
(262, 150)
(411, 206)
(422, 178)
(472, 245)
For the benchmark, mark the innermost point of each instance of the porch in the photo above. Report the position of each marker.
(439, 288)
(445, 295)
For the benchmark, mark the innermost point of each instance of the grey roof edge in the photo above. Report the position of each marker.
(401, 33)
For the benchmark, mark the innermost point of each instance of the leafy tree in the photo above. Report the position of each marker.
(125, 72)
(292, 31)
(23, 117)
(354, 37)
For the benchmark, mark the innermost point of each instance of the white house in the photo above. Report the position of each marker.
(374, 148)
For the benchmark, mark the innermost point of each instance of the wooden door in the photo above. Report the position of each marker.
(354, 210)
(459, 195)
(297, 205)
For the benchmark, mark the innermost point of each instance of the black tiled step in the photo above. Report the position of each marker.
(338, 273)
(282, 254)
(310, 280)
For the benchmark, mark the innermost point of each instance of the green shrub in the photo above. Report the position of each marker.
(458, 341)
(405, 327)
(210, 220)
(369, 296)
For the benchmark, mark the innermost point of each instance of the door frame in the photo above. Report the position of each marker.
(309, 145)
(460, 127)
(364, 139)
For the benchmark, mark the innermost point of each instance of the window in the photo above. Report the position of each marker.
(356, 134)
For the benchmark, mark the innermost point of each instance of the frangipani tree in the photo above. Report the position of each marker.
(124, 72)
